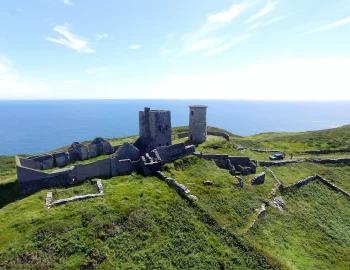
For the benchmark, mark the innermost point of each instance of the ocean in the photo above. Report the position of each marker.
(29, 127)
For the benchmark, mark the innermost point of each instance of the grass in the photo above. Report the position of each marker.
(336, 174)
(313, 232)
(89, 187)
(232, 207)
(141, 223)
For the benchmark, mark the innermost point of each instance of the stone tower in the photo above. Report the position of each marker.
(155, 129)
(198, 123)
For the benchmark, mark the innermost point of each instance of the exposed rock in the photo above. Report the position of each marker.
(208, 183)
(192, 197)
(240, 147)
(48, 199)
(277, 202)
(240, 182)
(258, 179)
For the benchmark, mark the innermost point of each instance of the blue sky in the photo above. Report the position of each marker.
(248, 49)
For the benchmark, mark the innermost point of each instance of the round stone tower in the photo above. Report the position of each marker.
(198, 123)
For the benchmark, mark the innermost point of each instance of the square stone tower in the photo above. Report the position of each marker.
(198, 123)
(155, 129)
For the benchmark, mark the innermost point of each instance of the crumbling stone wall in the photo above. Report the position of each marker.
(170, 153)
(243, 164)
(99, 168)
(75, 152)
(183, 135)
(220, 134)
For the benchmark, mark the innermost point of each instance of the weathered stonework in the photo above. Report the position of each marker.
(258, 179)
(155, 129)
(198, 123)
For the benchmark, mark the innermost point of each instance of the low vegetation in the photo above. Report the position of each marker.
(142, 223)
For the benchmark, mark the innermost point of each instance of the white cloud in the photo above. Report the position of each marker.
(134, 47)
(262, 24)
(95, 70)
(333, 25)
(267, 9)
(101, 36)
(254, 26)
(227, 45)
(276, 19)
(67, 2)
(70, 40)
(74, 81)
(14, 85)
(203, 44)
(211, 34)
(4, 14)
(227, 15)
(299, 79)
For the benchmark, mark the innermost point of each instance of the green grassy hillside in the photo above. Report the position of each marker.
(141, 223)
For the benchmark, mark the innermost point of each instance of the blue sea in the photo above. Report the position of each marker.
(38, 126)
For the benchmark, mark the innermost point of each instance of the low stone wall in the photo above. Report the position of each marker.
(220, 134)
(320, 152)
(299, 183)
(278, 163)
(242, 164)
(172, 152)
(278, 182)
(331, 161)
(264, 150)
(49, 202)
(211, 156)
(332, 186)
(183, 135)
(180, 188)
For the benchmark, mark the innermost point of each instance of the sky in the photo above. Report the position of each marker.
(183, 49)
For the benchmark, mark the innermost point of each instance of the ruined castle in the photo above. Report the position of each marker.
(146, 155)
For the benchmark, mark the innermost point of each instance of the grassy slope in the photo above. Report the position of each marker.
(142, 223)
(139, 224)
(313, 232)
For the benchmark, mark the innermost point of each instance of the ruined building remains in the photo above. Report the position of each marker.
(155, 129)
(198, 123)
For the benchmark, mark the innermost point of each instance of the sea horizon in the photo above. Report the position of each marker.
(36, 126)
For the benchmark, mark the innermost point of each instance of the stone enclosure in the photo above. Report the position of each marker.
(150, 151)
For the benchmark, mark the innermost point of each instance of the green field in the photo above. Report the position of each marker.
(142, 223)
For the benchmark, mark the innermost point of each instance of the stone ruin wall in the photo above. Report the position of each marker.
(125, 161)
(236, 163)
(214, 133)
(77, 152)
